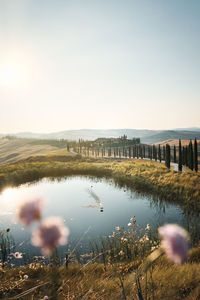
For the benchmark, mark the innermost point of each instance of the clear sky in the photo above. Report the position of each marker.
(69, 64)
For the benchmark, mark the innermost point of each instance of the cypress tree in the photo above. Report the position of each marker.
(154, 150)
(137, 152)
(192, 157)
(183, 156)
(195, 155)
(134, 151)
(159, 153)
(167, 158)
(180, 157)
(148, 151)
(191, 160)
(189, 155)
(141, 152)
(164, 152)
(144, 151)
(151, 152)
(174, 153)
(129, 152)
(186, 156)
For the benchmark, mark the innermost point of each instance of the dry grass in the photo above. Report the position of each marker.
(141, 175)
(12, 150)
(163, 281)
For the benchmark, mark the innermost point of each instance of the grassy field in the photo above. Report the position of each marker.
(113, 279)
(12, 150)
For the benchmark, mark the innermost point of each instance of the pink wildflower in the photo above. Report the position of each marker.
(50, 234)
(17, 255)
(25, 277)
(174, 242)
(30, 210)
(46, 298)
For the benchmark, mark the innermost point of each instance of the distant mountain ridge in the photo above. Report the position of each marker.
(146, 136)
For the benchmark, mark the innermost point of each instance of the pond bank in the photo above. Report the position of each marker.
(141, 175)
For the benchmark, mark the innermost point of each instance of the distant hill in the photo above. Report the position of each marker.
(188, 129)
(146, 136)
(176, 143)
(170, 135)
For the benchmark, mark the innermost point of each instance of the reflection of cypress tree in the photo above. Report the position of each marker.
(180, 156)
(167, 156)
(195, 155)
(164, 152)
(174, 153)
(159, 153)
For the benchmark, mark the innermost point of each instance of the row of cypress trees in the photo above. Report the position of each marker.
(187, 155)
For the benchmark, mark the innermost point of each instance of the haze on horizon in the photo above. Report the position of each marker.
(99, 64)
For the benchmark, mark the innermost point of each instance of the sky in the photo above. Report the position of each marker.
(72, 64)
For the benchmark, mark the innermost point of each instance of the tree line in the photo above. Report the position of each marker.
(182, 155)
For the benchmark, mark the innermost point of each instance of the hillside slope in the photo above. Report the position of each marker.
(12, 150)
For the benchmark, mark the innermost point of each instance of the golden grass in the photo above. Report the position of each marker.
(163, 281)
(12, 150)
(141, 175)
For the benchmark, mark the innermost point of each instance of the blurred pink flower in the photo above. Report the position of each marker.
(30, 210)
(174, 242)
(17, 255)
(50, 234)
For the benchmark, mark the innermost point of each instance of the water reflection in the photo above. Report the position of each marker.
(96, 198)
(112, 206)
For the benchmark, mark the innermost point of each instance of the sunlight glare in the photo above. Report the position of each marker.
(11, 74)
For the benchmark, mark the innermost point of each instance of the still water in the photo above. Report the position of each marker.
(86, 217)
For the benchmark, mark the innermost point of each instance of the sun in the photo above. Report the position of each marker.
(10, 74)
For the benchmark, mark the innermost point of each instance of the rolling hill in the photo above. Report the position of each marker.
(146, 136)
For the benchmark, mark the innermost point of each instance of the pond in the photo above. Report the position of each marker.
(87, 218)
